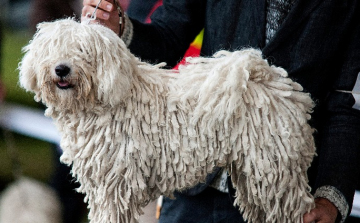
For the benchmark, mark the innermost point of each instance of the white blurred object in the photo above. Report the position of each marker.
(28, 121)
(355, 211)
(29, 201)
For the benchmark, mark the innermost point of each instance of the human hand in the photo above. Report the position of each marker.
(106, 13)
(324, 212)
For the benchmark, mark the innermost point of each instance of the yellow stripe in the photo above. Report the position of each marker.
(198, 40)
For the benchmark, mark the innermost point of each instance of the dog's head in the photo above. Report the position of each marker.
(69, 65)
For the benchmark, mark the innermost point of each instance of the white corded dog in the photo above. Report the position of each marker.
(133, 131)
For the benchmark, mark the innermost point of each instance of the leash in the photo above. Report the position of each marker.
(93, 16)
(121, 17)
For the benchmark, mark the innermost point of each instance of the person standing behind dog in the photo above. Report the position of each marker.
(316, 41)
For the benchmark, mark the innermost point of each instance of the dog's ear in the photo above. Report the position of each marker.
(115, 68)
(28, 65)
(27, 74)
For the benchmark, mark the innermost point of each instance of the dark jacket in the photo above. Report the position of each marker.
(140, 10)
(318, 44)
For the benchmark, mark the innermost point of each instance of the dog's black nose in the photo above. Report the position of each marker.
(62, 70)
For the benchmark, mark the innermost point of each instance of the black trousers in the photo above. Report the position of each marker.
(209, 206)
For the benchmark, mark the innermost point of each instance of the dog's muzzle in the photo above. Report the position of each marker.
(62, 71)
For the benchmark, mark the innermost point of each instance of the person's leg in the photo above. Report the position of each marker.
(210, 206)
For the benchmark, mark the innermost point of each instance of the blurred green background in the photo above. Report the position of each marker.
(35, 156)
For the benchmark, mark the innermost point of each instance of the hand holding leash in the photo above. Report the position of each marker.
(106, 12)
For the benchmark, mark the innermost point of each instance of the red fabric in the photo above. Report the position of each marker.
(191, 52)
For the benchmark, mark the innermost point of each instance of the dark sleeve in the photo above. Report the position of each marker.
(139, 9)
(174, 26)
(340, 142)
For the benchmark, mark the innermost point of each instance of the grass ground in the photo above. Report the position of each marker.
(13, 41)
(35, 156)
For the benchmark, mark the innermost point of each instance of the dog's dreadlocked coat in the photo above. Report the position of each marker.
(133, 131)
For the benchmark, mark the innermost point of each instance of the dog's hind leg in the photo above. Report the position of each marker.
(246, 197)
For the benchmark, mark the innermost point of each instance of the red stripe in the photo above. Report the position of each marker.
(159, 3)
